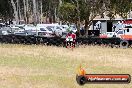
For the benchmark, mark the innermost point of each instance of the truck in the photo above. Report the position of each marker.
(125, 34)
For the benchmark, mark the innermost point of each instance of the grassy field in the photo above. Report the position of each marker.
(30, 66)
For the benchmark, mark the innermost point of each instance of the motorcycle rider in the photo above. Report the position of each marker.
(70, 39)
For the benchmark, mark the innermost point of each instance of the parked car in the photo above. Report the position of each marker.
(65, 27)
(43, 31)
(20, 32)
(56, 28)
(73, 28)
(5, 31)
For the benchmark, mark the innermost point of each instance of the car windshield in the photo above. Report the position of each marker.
(65, 27)
(52, 27)
(49, 28)
(42, 29)
(58, 28)
(73, 27)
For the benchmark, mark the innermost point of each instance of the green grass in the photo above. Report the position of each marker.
(37, 66)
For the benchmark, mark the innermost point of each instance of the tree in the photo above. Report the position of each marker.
(35, 12)
(5, 10)
(87, 10)
(123, 7)
(81, 10)
(15, 11)
(68, 12)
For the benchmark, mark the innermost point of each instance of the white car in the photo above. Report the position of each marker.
(39, 31)
(34, 30)
(20, 32)
(73, 28)
(56, 28)
(4, 33)
(64, 28)
(43, 31)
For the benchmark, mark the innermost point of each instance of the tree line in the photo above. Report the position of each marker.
(73, 11)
